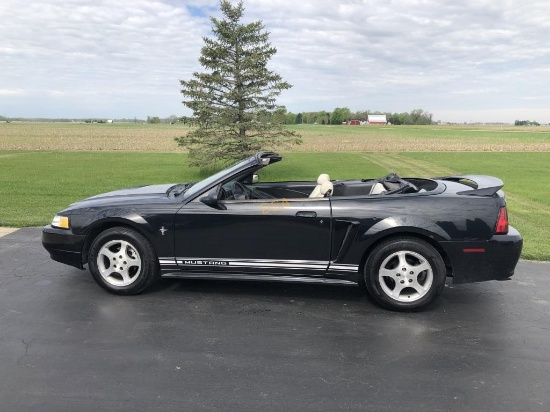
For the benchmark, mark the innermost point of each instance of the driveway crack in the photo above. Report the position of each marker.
(27, 346)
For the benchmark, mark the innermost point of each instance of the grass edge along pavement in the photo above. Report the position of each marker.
(35, 185)
(7, 230)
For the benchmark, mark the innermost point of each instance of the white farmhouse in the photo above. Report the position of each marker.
(377, 119)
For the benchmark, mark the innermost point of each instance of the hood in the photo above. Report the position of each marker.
(141, 194)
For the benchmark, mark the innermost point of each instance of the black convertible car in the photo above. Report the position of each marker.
(398, 238)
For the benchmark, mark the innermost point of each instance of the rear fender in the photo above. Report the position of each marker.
(409, 224)
(364, 241)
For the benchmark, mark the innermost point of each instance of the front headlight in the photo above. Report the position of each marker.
(61, 222)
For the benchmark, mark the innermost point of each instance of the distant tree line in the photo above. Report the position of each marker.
(153, 119)
(157, 120)
(341, 115)
(68, 120)
(337, 116)
(150, 119)
(526, 123)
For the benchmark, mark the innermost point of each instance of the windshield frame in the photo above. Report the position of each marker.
(202, 186)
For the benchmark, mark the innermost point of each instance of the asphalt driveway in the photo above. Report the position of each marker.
(66, 345)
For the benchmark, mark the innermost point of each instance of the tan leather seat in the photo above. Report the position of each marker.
(324, 186)
(377, 189)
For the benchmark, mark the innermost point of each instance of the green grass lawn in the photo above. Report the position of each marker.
(34, 185)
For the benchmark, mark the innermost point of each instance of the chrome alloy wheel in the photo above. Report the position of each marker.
(119, 263)
(405, 276)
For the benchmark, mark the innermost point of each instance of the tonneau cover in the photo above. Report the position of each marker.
(481, 185)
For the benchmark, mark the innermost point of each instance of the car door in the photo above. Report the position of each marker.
(269, 236)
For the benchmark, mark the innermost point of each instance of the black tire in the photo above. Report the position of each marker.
(404, 274)
(122, 261)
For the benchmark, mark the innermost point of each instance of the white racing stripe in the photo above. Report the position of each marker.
(343, 267)
(254, 263)
(167, 261)
(258, 263)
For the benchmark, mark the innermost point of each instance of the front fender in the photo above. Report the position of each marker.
(87, 221)
(148, 226)
(130, 218)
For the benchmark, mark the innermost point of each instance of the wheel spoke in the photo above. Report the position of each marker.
(125, 276)
(105, 272)
(397, 290)
(123, 252)
(107, 253)
(422, 267)
(402, 260)
(137, 266)
(418, 287)
(390, 273)
(103, 268)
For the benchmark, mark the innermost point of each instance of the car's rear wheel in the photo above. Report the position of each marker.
(404, 274)
(122, 261)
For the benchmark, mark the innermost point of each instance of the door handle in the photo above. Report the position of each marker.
(306, 214)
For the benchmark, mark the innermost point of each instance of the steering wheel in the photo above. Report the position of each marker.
(237, 191)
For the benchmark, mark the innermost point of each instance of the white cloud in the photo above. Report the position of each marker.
(8, 92)
(121, 58)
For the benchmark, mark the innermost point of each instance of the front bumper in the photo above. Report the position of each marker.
(478, 261)
(63, 245)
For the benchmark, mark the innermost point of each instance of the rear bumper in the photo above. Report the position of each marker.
(478, 261)
(63, 246)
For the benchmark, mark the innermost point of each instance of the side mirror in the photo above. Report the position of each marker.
(255, 178)
(211, 198)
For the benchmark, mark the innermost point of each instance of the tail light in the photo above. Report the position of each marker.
(502, 222)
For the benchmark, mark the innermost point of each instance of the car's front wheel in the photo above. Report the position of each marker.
(122, 261)
(404, 274)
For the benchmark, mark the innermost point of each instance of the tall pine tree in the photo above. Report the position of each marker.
(234, 100)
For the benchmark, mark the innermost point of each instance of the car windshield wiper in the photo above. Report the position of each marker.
(179, 189)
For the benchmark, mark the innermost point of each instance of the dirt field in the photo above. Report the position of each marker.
(160, 138)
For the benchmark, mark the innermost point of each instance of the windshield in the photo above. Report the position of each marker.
(203, 184)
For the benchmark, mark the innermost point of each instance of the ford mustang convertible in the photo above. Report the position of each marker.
(399, 239)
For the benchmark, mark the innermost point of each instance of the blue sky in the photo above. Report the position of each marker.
(472, 60)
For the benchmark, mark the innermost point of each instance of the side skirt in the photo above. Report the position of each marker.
(250, 277)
